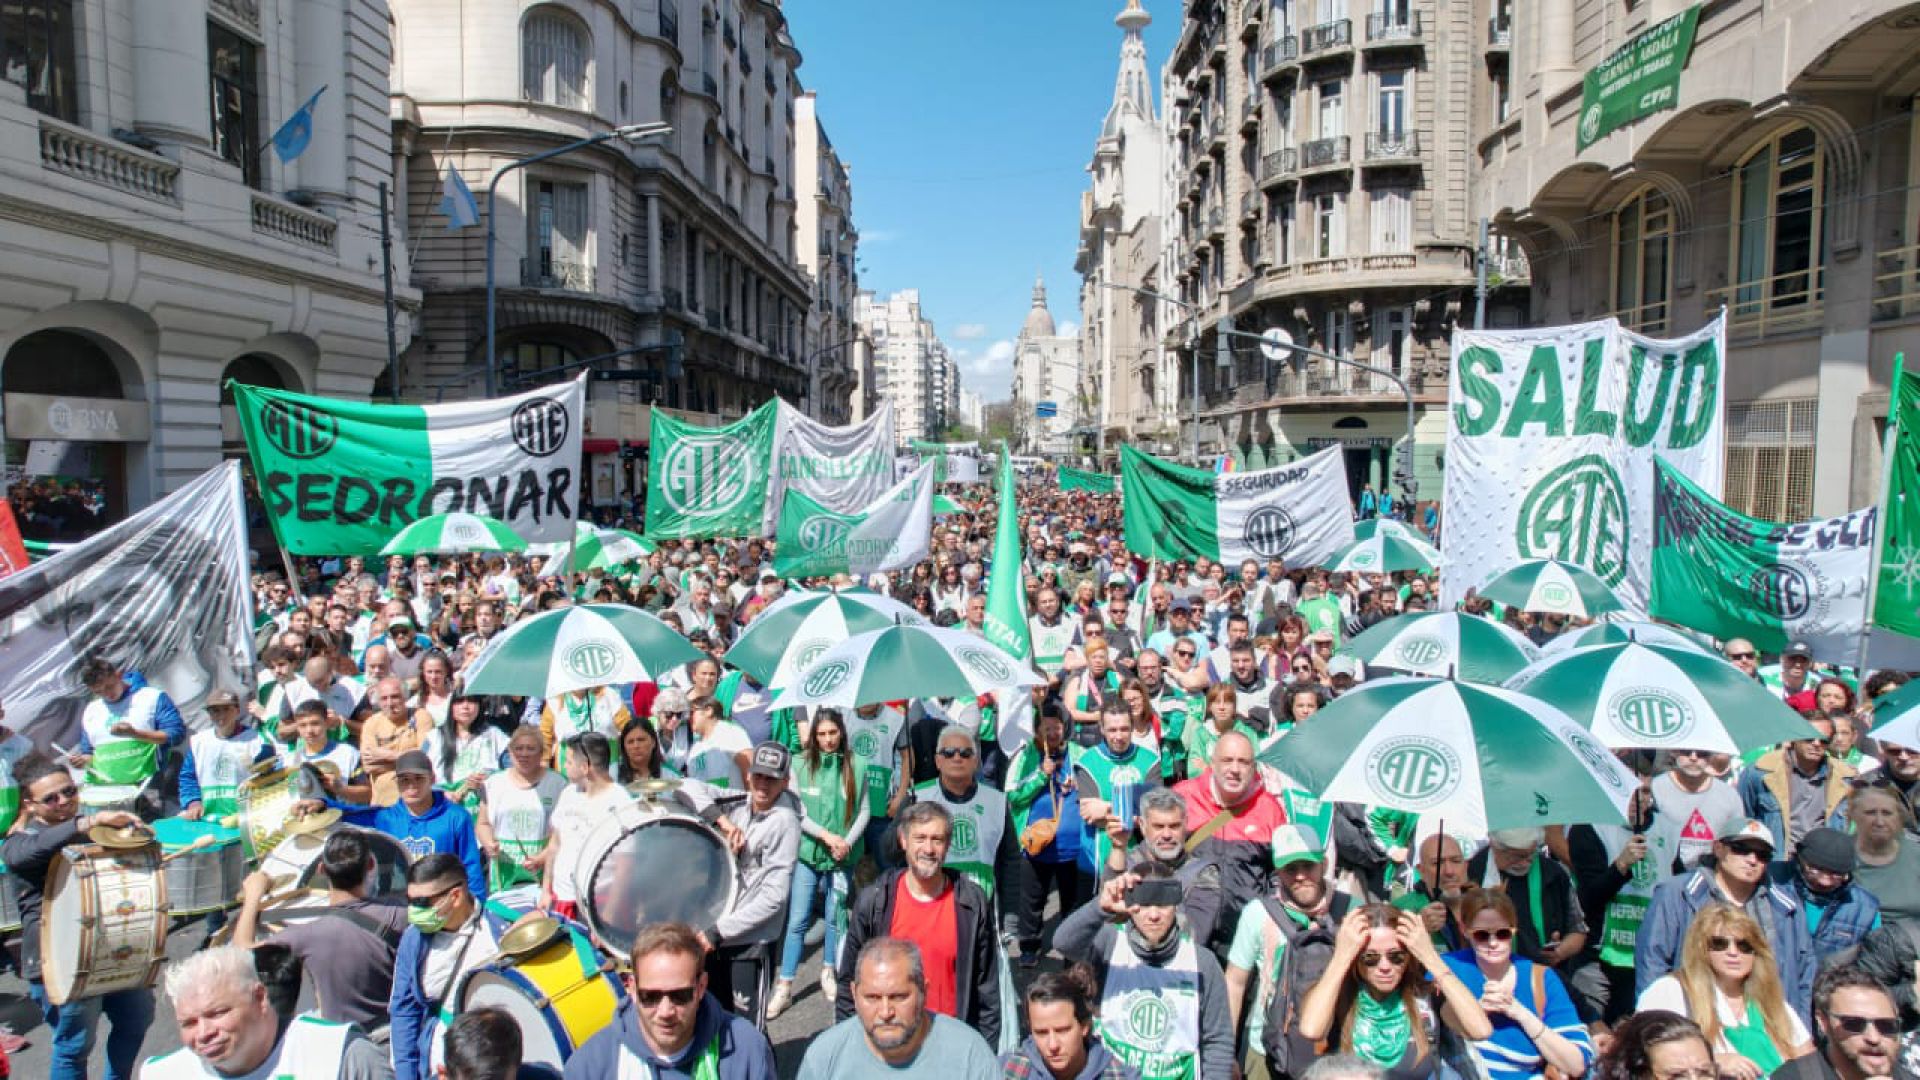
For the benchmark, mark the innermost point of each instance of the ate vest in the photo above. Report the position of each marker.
(873, 739)
(220, 765)
(1150, 1016)
(310, 1050)
(1119, 781)
(977, 827)
(121, 759)
(1620, 924)
(1050, 643)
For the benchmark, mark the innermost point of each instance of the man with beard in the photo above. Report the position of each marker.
(1859, 1029)
(1240, 841)
(1252, 690)
(1304, 904)
(894, 1032)
(1052, 633)
(1111, 777)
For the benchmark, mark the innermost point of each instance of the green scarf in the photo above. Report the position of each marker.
(1381, 1029)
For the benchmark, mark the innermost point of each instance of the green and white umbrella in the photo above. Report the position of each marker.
(1622, 631)
(1896, 716)
(902, 662)
(1455, 752)
(574, 648)
(944, 505)
(1368, 528)
(454, 534)
(1554, 587)
(1662, 697)
(1444, 644)
(794, 630)
(1384, 553)
(609, 547)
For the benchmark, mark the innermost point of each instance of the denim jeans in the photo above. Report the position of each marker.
(73, 1024)
(806, 882)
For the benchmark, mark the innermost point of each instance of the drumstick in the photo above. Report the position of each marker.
(199, 842)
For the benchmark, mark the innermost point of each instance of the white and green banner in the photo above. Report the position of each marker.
(1895, 641)
(892, 533)
(709, 481)
(956, 462)
(1725, 574)
(344, 477)
(1297, 512)
(1551, 438)
(840, 468)
(1640, 78)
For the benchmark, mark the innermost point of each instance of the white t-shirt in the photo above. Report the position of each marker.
(712, 759)
(1666, 993)
(574, 817)
(480, 754)
(521, 816)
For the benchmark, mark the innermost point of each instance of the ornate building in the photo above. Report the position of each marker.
(1047, 378)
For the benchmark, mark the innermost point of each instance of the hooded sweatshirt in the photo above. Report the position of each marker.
(1101, 1064)
(445, 827)
(744, 1053)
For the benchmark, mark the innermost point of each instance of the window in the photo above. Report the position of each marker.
(36, 52)
(1770, 458)
(1332, 120)
(1392, 340)
(559, 240)
(233, 65)
(1329, 226)
(1283, 232)
(553, 52)
(1338, 328)
(1502, 98)
(1776, 244)
(1391, 217)
(1283, 120)
(1642, 245)
(1390, 105)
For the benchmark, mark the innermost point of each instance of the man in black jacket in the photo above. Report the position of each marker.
(963, 975)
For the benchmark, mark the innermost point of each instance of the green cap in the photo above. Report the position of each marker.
(1297, 843)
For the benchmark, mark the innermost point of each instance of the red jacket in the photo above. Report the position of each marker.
(1253, 821)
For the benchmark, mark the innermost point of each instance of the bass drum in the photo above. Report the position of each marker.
(295, 862)
(559, 994)
(646, 865)
(104, 923)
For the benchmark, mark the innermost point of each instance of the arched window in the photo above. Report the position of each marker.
(1775, 257)
(553, 53)
(1642, 261)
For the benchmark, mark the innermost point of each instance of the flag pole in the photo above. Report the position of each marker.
(386, 273)
(1886, 496)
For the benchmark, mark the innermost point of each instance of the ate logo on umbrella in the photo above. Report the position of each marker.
(986, 665)
(825, 679)
(1596, 756)
(1651, 713)
(592, 659)
(1556, 595)
(1414, 772)
(808, 651)
(1422, 652)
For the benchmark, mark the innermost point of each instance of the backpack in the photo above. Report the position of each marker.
(1309, 951)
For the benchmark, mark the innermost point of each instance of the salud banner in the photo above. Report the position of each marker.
(1638, 79)
(1551, 437)
(957, 462)
(164, 593)
(1725, 574)
(342, 477)
(840, 468)
(1298, 512)
(704, 481)
(1072, 479)
(892, 533)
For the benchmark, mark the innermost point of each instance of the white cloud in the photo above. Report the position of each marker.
(1067, 329)
(969, 331)
(997, 360)
(877, 237)
(1000, 352)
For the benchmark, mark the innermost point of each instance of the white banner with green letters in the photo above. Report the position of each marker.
(840, 468)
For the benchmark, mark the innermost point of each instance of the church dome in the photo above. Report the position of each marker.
(1039, 319)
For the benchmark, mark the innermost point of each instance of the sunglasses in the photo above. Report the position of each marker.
(681, 996)
(431, 901)
(1502, 935)
(1722, 944)
(1857, 1025)
(59, 795)
(1750, 850)
(951, 752)
(1184, 653)
(1740, 656)
(1396, 957)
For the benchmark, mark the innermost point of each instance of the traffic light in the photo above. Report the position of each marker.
(1403, 468)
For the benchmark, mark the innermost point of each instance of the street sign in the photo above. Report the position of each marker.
(1046, 410)
(1276, 344)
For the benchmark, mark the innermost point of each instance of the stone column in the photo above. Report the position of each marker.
(320, 48)
(170, 73)
(656, 259)
(1556, 64)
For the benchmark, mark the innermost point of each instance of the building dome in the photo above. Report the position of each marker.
(1039, 320)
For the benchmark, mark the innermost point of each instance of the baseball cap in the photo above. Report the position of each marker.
(770, 759)
(1350, 666)
(1294, 843)
(1828, 849)
(398, 621)
(1799, 649)
(1738, 827)
(1118, 579)
(223, 699)
(1322, 637)
(413, 761)
(1180, 605)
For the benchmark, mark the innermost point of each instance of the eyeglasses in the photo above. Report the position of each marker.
(1396, 957)
(681, 996)
(951, 752)
(431, 901)
(1184, 653)
(59, 795)
(1502, 935)
(1722, 944)
(1750, 849)
(1740, 656)
(1857, 1025)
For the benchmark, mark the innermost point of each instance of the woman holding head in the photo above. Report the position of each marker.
(1534, 1022)
(1729, 983)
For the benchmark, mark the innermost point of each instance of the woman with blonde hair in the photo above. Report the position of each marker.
(1729, 983)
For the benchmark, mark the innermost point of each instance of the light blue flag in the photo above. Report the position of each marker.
(294, 135)
(456, 200)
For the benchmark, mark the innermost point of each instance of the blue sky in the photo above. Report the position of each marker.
(968, 126)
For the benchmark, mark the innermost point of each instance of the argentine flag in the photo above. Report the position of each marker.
(456, 200)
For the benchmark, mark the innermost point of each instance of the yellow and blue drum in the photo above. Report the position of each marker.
(205, 865)
(552, 981)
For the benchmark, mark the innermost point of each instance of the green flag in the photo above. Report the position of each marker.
(706, 481)
(1297, 512)
(891, 533)
(812, 538)
(1006, 624)
(1895, 636)
(1072, 479)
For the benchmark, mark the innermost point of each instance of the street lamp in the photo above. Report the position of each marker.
(628, 133)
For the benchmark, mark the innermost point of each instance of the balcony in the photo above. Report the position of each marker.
(1280, 56)
(1896, 282)
(1779, 304)
(1216, 131)
(1216, 222)
(1393, 148)
(1393, 31)
(1279, 165)
(1509, 268)
(714, 320)
(293, 224)
(1250, 206)
(1499, 34)
(1325, 153)
(107, 162)
(1327, 40)
(1648, 318)
(1250, 112)
(567, 275)
(670, 23)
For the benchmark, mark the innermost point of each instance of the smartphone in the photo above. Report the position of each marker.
(1157, 892)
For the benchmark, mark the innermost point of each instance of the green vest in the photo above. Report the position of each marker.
(978, 825)
(1120, 782)
(821, 792)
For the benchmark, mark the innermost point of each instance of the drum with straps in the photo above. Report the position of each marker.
(204, 864)
(103, 926)
(551, 981)
(295, 862)
(266, 803)
(646, 864)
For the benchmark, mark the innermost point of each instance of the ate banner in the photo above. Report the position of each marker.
(709, 481)
(1551, 437)
(342, 477)
(164, 593)
(840, 468)
(892, 533)
(1072, 479)
(1727, 575)
(1299, 512)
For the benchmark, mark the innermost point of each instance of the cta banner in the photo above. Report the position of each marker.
(840, 468)
(1298, 513)
(1639, 79)
(1551, 438)
(342, 477)
(709, 481)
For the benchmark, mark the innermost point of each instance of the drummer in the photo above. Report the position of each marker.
(452, 933)
(124, 728)
(314, 745)
(425, 821)
(53, 820)
(218, 759)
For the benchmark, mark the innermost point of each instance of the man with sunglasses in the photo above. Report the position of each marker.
(671, 1028)
(450, 933)
(52, 821)
(985, 846)
(1741, 654)
(1689, 800)
(1859, 1027)
(1736, 875)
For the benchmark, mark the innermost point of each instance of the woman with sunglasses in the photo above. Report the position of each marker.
(1534, 1021)
(1887, 861)
(1729, 984)
(1375, 1000)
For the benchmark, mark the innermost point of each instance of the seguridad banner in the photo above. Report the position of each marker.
(164, 593)
(1728, 575)
(959, 462)
(1551, 437)
(342, 477)
(840, 468)
(1299, 512)
(892, 533)
(709, 481)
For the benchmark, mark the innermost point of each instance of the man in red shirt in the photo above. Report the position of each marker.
(944, 914)
(1242, 844)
